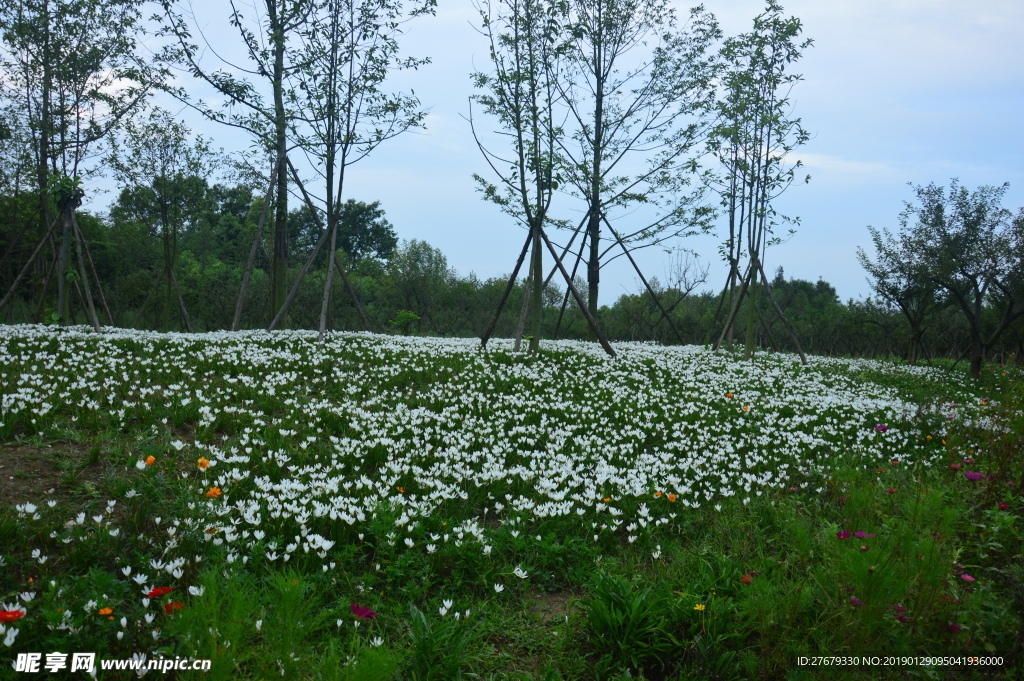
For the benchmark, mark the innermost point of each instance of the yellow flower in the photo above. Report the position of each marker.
(929, 437)
(699, 606)
(214, 492)
(150, 460)
(106, 611)
(203, 462)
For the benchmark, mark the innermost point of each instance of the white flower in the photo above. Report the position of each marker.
(12, 633)
(196, 590)
(178, 573)
(376, 641)
(498, 588)
(28, 596)
(447, 603)
(443, 611)
(259, 625)
(431, 548)
(520, 573)
(126, 570)
(140, 464)
(408, 542)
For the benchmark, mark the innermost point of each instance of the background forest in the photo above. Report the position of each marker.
(195, 241)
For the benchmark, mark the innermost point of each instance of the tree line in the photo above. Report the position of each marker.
(649, 125)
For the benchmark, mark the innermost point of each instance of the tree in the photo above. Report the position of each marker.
(971, 247)
(271, 58)
(350, 50)
(522, 93)
(163, 176)
(73, 72)
(896, 277)
(752, 140)
(634, 134)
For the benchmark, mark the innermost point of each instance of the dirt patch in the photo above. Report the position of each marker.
(37, 473)
(553, 607)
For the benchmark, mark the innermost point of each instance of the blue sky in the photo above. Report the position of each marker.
(894, 91)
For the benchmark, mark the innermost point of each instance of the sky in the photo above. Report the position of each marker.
(893, 92)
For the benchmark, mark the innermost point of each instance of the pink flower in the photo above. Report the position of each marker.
(362, 612)
(966, 577)
(955, 466)
(968, 461)
(856, 602)
(1003, 506)
(863, 535)
(881, 428)
(891, 491)
(899, 608)
(845, 534)
(972, 475)
(900, 617)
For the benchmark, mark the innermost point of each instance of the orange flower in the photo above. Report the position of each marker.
(746, 408)
(150, 460)
(401, 490)
(106, 611)
(672, 497)
(657, 494)
(203, 462)
(729, 395)
(606, 499)
(214, 492)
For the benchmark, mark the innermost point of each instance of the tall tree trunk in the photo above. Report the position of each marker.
(523, 311)
(504, 296)
(43, 154)
(535, 292)
(65, 243)
(91, 308)
(247, 273)
(279, 279)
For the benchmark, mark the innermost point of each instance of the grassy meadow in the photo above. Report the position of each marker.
(383, 507)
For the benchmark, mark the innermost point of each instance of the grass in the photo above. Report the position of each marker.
(670, 514)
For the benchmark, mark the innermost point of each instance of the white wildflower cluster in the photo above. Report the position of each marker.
(323, 437)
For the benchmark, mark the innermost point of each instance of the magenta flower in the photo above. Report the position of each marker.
(955, 628)
(899, 608)
(900, 617)
(881, 428)
(362, 612)
(856, 602)
(968, 461)
(973, 475)
(966, 577)
(845, 534)
(863, 535)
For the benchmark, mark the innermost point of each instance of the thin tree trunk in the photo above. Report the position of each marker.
(577, 296)
(504, 296)
(181, 303)
(785, 319)
(96, 277)
(142, 309)
(524, 309)
(298, 282)
(657, 302)
(25, 269)
(328, 283)
(65, 243)
(85, 277)
(575, 268)
(255, 245)
(735, 307)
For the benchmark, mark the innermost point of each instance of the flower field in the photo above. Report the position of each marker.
(393, 507)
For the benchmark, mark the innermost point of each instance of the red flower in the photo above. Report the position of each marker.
(955, 466)
(955, 628)
(1003, 506)
(746, 579)
(362, 612)
(891, 491)
(11, 615)
(172, 606)
(160, 591)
